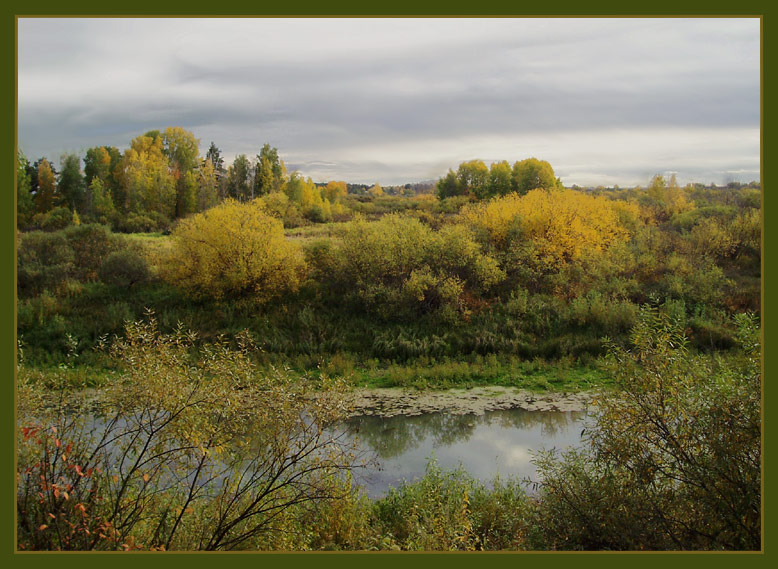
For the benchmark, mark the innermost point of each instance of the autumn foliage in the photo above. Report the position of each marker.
(563, 224)
(233, 250)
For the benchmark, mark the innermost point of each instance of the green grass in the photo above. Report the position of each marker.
(532, 376)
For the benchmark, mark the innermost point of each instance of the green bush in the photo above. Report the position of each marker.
(400, 268)
(44, 261)
(673, 459)
(450, 510)
(147, 222)
(124, 268)
(58, 218)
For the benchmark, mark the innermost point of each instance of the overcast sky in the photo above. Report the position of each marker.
(605, 101)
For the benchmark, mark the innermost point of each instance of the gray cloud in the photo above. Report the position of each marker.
(401, 100)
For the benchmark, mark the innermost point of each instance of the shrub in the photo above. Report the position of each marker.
(401, 268)
(674, 458)
(58, 218)
(91, 244)
(234, 249)
(146, 222)
(178, 453)
(124, 268)
(44, 261)
(563, 224)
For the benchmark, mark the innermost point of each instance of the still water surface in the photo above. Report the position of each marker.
(498, 442)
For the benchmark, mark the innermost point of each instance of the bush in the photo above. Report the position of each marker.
(44, 261)
(178, 453)
(674, 458)
(401, 268)
(146, 222)
(124, 268)
(58, 218)
(91, 243)
(234, 249)
(450, 510)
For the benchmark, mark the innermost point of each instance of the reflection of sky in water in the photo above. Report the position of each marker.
(498, 442)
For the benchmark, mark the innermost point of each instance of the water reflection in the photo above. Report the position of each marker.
(498, 442)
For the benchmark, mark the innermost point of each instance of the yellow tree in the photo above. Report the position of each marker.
(146, 178)
(666, 199)
(376, 190)
(335, 190)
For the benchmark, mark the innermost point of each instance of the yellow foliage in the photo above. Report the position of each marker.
(563, 224)
(335, 190)
(667, 199)
(234, 249)
(375, 190)
(145, 175)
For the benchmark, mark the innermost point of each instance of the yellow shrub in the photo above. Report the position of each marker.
(563, 224)
(234, 249)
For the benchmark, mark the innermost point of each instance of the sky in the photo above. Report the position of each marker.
(605, 101)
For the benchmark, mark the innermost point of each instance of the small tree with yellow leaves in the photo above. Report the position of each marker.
(234, 249)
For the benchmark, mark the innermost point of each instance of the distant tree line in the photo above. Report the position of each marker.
(160, 178)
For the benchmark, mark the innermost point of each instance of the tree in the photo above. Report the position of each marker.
(375, 190)
(334, 191)
(531, 174)
(182, 150)
(473, 178)
(188, 453)
(238, 179)
(664, 200)
(71, 183)
(104, 163)
(500, 182)
(146, 178)
(208, 186)
(235, 250)
(399, 267)
(47, 187)
(448, 186)
(99, 203)
(25, 205)
(563, 226)
(268, 172)
(97, 164)
(215, 156)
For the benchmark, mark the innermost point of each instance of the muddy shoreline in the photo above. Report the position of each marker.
(390, 402)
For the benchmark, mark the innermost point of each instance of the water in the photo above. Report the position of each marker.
(498, 442)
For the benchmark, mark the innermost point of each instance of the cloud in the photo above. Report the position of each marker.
(425, 92)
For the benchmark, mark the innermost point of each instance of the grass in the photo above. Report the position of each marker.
(316, 231)
(95, 370)
(532, 376)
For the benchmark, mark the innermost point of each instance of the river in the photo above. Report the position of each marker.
(494, 443)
